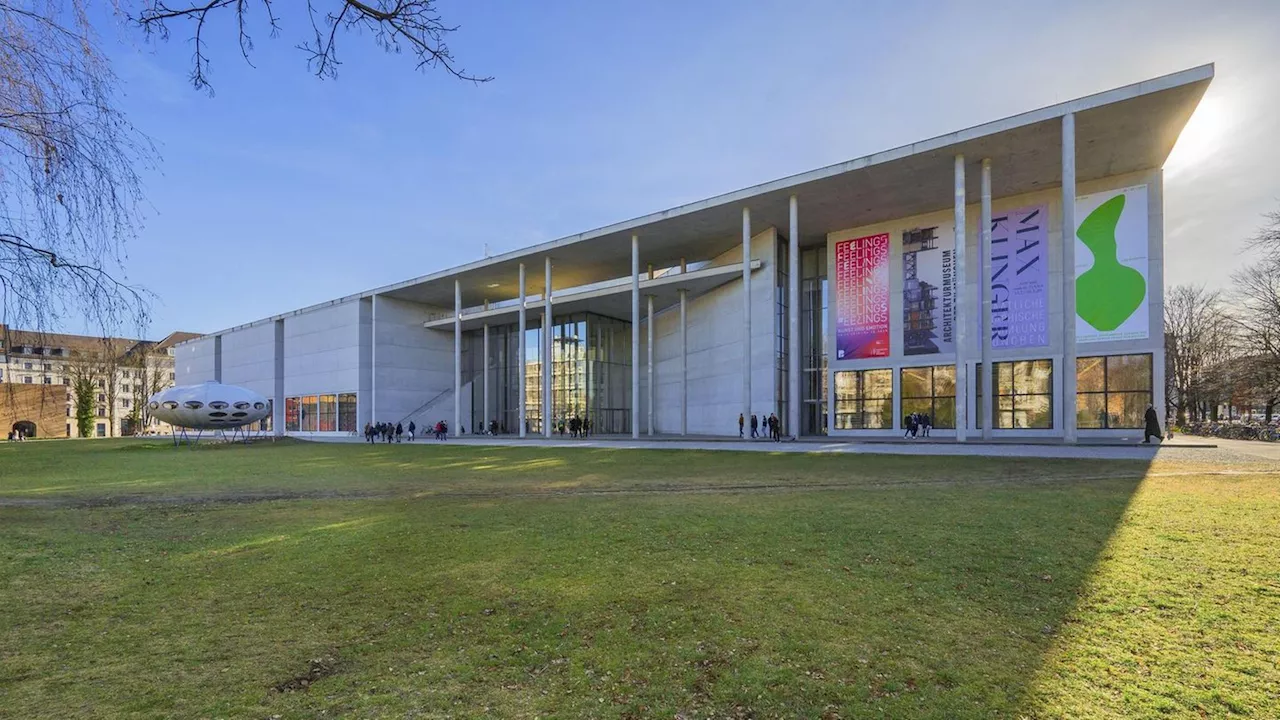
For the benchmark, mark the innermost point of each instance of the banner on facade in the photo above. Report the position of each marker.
(1112, 266)
(928, 290)
(862, 297)
(1020, 278)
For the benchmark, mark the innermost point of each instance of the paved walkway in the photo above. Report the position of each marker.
(1178, 448)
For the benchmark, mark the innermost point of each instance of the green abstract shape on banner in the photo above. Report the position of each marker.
(1110, 292)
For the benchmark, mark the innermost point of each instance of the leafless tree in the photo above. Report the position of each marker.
(396, 26)
(1256, 312)
(1197, 326)
(69, 161)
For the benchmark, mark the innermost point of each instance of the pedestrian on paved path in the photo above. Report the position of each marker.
(399, 431)
(755, 423)
(1153, 426)
(412, 429)
(740, 421)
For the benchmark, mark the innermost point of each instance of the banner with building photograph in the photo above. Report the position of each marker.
(1112, 266)
(1020, 278)
(928, 290)
(862, 297)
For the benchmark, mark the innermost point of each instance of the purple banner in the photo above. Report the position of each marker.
(1020, 278)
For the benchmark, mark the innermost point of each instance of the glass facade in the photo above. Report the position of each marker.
(1024, 394)
(347, 412)
(1112, 392)
(327, 415)
(864, 399)
(590, 375)
(930, 391)
(780, 330)
(328, 412)
(813, 340)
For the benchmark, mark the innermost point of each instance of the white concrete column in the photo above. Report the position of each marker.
(547, 322)
(524, 366)
(793, 321)
(961, 320)
(984, 290)
(635, 337)
(649, 348)
(373, 359)
(1068, 403)
(484, 416)
(684, 364)
(746, 313)
(457, 357)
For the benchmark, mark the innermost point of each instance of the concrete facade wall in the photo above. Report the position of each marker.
(413, 364)
(322, 351)
(715, 331)
(193, 361)
(248, 359)
(1052, 198)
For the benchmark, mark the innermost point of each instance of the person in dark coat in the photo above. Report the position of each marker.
(755, 424)
(399, 431)
(413, 428)
(1153, 426)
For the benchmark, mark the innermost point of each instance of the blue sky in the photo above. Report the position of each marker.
(282, 190)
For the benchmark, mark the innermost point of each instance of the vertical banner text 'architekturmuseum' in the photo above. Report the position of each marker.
(862, 297)
(1020, 278)
(929, 290)
(1112, 266)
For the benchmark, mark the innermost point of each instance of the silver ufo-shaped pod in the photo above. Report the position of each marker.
(208, 406)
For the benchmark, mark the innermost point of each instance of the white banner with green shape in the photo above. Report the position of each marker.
(1112, 266)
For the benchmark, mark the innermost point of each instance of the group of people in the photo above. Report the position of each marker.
(576, 426)
(16, 436)
(918, 425)
(761, 425)
(389, 433)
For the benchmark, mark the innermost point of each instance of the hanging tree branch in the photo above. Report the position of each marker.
(69, 184)
(395, 25)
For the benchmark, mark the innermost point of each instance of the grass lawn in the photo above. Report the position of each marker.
(300, 580)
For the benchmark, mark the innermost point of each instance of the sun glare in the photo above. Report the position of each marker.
(1202, 136)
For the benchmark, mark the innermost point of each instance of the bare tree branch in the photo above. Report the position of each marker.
(395, 25)
(69, 184)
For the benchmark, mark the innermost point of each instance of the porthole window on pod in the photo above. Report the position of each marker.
(218, 405)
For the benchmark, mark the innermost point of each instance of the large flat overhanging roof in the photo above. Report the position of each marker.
(1123, 130)
(1118, 131)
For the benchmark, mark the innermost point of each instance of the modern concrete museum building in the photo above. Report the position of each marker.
(843, 300)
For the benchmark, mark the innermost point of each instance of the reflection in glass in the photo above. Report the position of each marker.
(930, 391)
(1024, 394)
(1112, 392)
(864, 399)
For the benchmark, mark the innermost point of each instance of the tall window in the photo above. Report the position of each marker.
(1024, 394)
(292, 421)
(864, 399)
(930, 391)
(813, 340)
(328, 413)
(1112, 391)
(347, 412)
(307, 413)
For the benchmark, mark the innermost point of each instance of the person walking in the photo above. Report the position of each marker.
(926, 424)
(399, 431)
(1152, 430)
(412, 429)
(368, 432)
(754, 425)
(740, 421)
